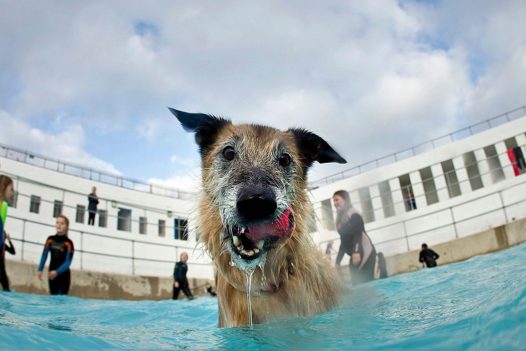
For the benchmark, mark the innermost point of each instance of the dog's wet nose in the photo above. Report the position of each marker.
(256, 204)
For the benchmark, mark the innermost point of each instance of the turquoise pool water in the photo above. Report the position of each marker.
(479, 304)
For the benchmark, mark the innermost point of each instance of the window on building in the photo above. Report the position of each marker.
(453, 186)
(428, 182)
(472, 168)
(81, 210)
(386, 196)
(180, 229)
(34, 205)
(57, 208)
(495, 168)
(162, 228)
(103, 218)
(367, 205)
(407, 192)
(327, 215)
(124, 219)
(143, 223)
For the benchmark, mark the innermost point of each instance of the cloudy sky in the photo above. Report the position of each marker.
(89, 81)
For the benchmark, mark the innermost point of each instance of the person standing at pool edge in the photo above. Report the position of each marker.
(180, 280)
(93, 201)
(354, 241)
(6, 193)
(61, 249)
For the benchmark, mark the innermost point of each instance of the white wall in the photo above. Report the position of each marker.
(100, 249)
(473, 211)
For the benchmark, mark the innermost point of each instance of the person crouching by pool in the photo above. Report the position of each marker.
(354, 241)
(428, 256)
(61, 249)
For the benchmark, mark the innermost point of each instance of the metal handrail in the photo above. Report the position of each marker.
(425, 146)
(73, 169)
(365, 213)
(132, 257)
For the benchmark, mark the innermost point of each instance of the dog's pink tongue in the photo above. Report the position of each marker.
(280, 228)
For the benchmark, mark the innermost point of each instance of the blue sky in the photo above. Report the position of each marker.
(90, 82)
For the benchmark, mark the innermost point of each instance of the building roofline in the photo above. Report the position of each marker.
(420, 148)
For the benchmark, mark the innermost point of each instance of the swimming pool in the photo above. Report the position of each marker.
(479, 304)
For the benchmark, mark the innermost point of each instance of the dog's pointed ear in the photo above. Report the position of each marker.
(204, 126)
(314, 148)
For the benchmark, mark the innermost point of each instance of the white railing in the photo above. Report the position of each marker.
(109, 253)
(34, 159)
(423, 147)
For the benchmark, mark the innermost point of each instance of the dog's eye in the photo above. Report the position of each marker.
(229, 153)
(284, 160)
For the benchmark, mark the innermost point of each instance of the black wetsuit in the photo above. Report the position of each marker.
(93, 201)
(61, 249)
(4, 280)
(180, 276)
(429, 257)
(354, 239)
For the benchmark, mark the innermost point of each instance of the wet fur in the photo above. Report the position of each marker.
(301, 279)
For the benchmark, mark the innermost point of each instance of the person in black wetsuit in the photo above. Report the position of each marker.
(180, 280)
(93, 201)
(354, 241)
(428, 256)
(9, 247)
(61, 249)
(6, 194)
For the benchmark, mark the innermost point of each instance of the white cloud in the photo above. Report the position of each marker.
(370, 77)
(189, 181)
(66, 145)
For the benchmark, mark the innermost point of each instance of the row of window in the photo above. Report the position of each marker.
(124, 218)
(453, 186)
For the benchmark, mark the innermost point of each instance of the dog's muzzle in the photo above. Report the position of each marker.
(251, 241)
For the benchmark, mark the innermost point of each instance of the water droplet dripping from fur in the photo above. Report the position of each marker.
(249, 274)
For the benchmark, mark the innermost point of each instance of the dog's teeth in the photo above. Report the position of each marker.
(260, 244)
(236, 240)
(248, 253)
(242, 230)
(256, 250)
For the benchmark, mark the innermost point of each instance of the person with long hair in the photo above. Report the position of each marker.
(354, 240)
(61, 249)
(6, 193)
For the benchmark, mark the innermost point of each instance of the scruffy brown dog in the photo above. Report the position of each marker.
(255, 217)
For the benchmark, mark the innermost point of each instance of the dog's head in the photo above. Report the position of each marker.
(254, 182)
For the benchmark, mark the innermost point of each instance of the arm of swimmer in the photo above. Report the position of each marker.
(43, 258)
(65, 266)
(9, 247)
(437, 256)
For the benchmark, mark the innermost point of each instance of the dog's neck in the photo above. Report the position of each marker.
(267, 286)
